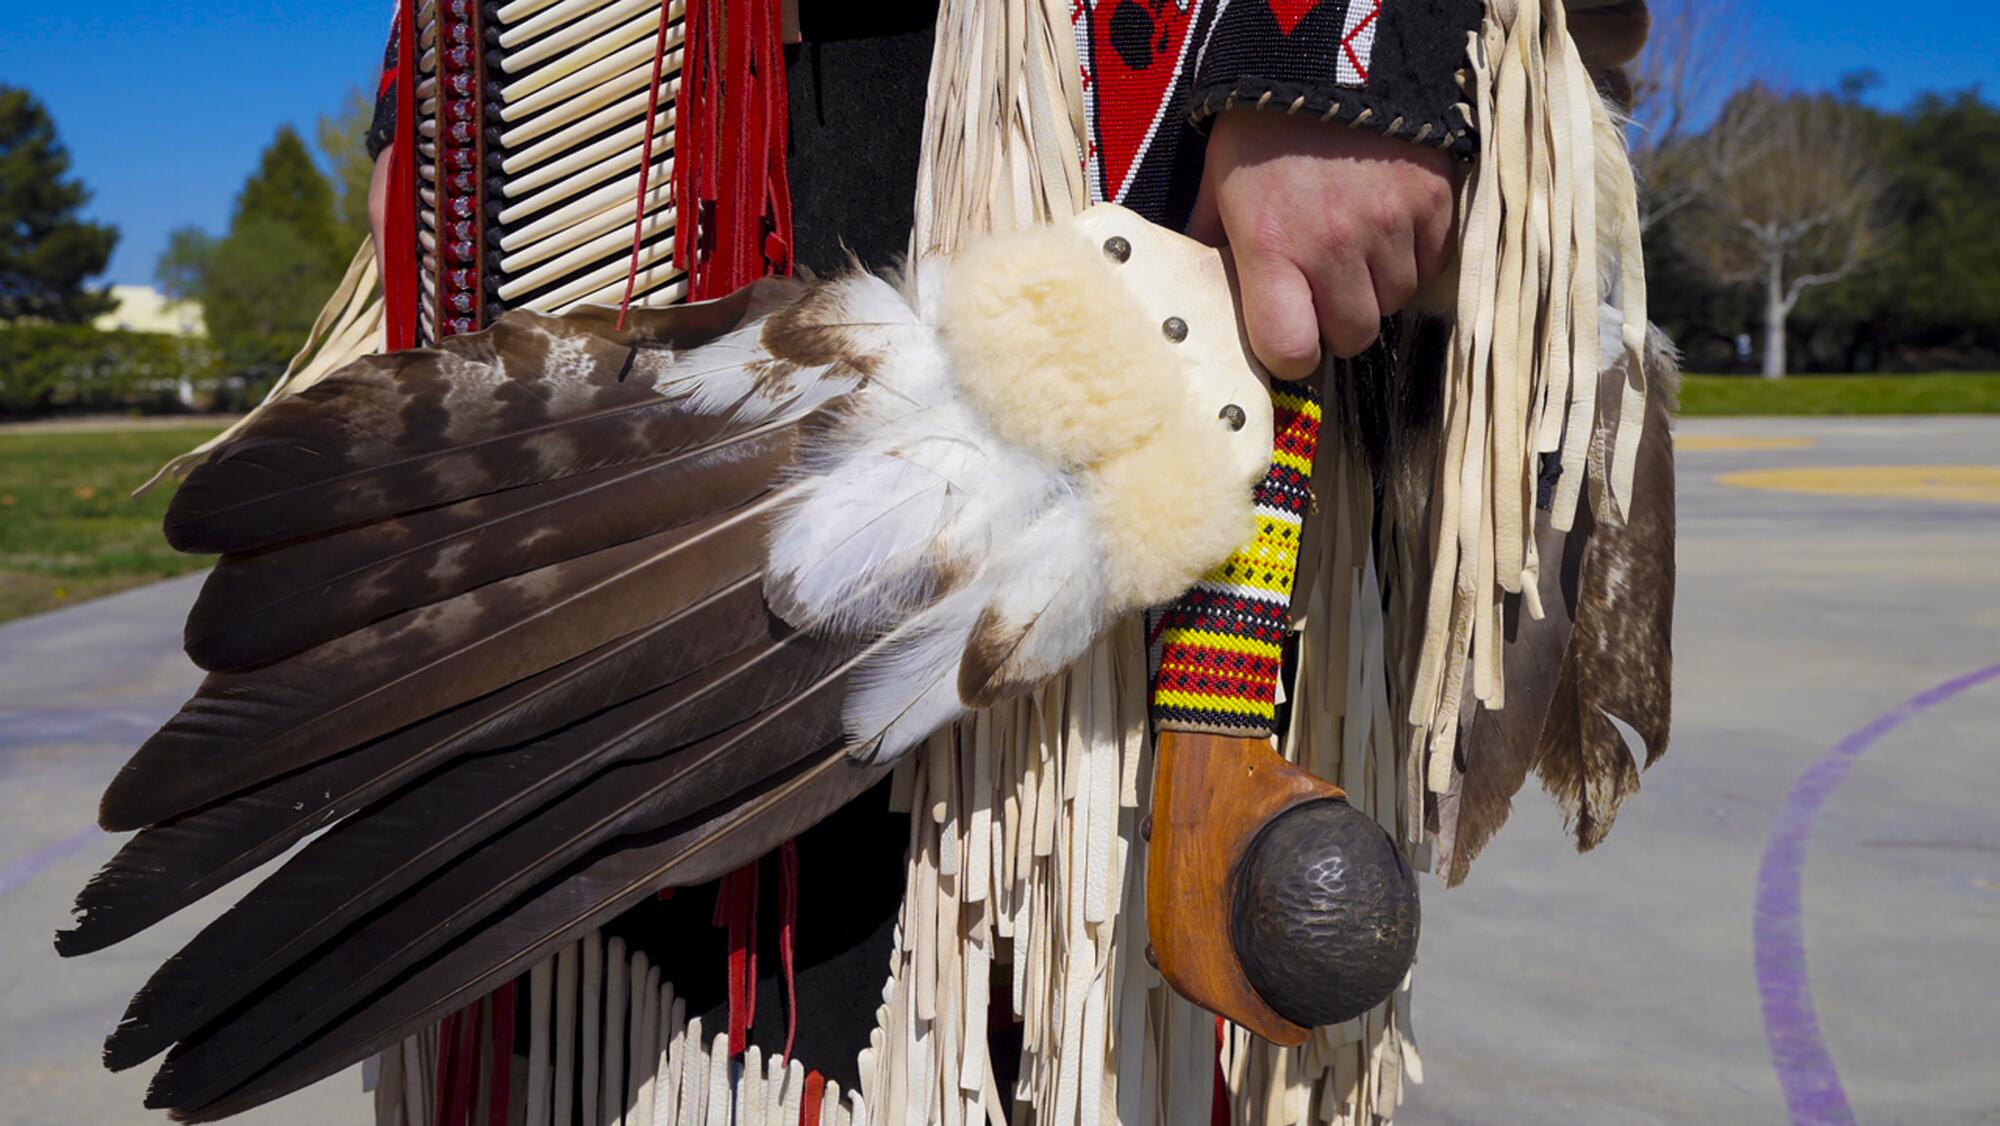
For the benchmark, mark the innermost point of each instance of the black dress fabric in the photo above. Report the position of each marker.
(1389, 66)
(857, 114)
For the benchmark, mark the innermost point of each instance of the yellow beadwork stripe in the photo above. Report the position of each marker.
(1197, 701)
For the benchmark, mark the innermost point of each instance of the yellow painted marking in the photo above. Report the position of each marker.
(1731, 442)
(1965, 484)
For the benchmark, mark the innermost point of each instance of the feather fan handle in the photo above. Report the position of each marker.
(1222, 643)
(1548, 248)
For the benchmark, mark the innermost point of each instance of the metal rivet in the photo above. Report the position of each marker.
(1152, 956)
(1117, 248)
(1175, 328)
(1233, 415)
(1146, 828)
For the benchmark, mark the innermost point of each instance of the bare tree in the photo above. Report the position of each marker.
(1696, 49)
(1790, 198)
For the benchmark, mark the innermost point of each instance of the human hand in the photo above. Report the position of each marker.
(1332, 228)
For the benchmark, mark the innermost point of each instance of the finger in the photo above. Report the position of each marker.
(1205, 225)
(1344, 304)
(1433, 232)
(1278, 315)
(1394, 274)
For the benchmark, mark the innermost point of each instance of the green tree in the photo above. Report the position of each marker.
(183, 267)
(1929, 295)
(343, 137)
(289, 189)
(46, 250)
(262, 284)
(1945, 278)
(1933, 300)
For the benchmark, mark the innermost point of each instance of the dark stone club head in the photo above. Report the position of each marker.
(1326, 913)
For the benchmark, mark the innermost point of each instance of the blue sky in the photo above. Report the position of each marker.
(165, 105)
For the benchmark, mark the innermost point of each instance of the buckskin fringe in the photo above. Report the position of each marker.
(1549, 261)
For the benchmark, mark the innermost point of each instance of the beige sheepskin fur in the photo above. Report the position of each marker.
(1049, 345)
(1165, 515)
(1052, 348)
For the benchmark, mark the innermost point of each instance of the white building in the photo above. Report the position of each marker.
(143, 308)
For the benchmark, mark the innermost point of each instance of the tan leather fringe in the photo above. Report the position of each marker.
(1548, 210)
(621, 1035)
(1003, 123)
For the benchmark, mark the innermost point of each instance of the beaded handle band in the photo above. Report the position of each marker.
(1221, 643)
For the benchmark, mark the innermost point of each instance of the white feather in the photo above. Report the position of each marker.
(734, 372)
(848, 552)
(1049, 587)
(909, 687)
(910, 485)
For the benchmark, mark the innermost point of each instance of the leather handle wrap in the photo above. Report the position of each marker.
(1222, 643)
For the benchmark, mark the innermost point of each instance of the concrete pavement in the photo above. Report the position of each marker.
(1615, 988)
(79, 689)
(1620, 987)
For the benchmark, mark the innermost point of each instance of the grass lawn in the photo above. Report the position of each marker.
(1935, 393)
(69, 528)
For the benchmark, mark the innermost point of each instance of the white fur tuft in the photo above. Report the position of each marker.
(995, 490)
(1165, 516)
(1049, 344)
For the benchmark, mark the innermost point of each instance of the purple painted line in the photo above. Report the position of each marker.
(17, 872)
(1813, 1092)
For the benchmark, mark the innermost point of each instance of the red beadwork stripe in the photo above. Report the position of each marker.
(461, 236)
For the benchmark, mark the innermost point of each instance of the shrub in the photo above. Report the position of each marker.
(47, 368)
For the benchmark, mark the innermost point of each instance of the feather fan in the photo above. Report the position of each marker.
(533, 624)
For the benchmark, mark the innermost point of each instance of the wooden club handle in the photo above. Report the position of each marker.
(1212, 794)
